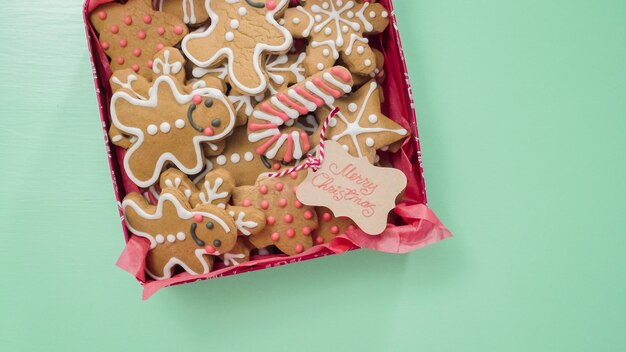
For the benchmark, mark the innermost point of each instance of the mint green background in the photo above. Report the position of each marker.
(521, 109)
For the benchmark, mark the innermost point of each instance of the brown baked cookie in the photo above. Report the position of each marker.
(335, 29)
(330, 226)
(241, 33)
(132, 33)
(193, 12)
(289, 223)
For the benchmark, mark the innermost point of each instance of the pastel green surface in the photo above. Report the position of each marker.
(521, 110)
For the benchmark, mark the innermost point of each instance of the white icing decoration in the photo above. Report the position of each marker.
(372, 14)
(372, 118)
(320, 66)
(229, 36)
(235, 158)
(369, 142)
(128, 84)
(221, 160)
(275, 72)
(151, 103)
(352, 107)
(165, 127)
(210, 193)
(332, 122)
(385, 14)
(259, 49)
(221, 71)
(242, 225)
(165, 67)
(296, 20)
(368, 62)
(360, 50)
(181, 236)
(159, 239)
(180, 123)
(117, 138)
(171, 238)
(230, 259)
(326, 52)
(345, 147)
(248, 156)
(242, 11)
(234, 24)
(188, 17)
(152, 130)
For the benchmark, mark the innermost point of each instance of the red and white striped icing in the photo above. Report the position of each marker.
(283, 108)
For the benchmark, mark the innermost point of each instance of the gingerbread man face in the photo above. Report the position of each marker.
(335, 29)
(241, 32)
(169, 124)
(179, 235)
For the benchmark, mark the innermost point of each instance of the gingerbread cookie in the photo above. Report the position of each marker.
(271, 125)
(289, 223)
(132, 33)
(330, 226)
(238, 255)
(335, 29)
(241, 33)
(360, 126)
(179, 235)
(192, 12)
(170, 124)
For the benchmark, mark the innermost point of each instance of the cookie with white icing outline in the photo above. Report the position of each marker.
(335, 29)
(241, 33)
(130, 34)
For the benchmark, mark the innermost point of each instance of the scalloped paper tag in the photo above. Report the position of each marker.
(353, 187)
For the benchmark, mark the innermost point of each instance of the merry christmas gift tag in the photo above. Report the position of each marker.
(353, 187)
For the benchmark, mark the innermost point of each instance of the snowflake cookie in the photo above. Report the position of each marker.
(241, 33)
(335, 29)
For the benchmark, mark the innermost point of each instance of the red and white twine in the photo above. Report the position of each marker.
(311, 161)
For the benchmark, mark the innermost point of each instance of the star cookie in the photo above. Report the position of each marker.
(241, 33)
(335, 29)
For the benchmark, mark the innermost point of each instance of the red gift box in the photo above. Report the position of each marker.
(412, 224)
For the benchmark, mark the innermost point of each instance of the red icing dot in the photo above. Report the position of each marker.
(246, 203)
(306, 230)
(270, 220)
(149, 64)
(135, 67)
(299, 248)
(115, 29)
(209, 249)
(279, 186)
(351, 227)
(263, 189)
(319, 240)
(137, 52)
(123, 43)
(297, 204)
(128, 20)
(282, 202)
(277, 166)
(275, 236)
(198, 218)
(197, 99)
(160, 46)
(270, 4)
(334, 230)
(178, 30)
(265, 204)
(308, 215)
(147, 19)
(327, 216)
(102, 15)
(120, 60)
(105, 45)
(161, 30)
(141, 35)
(293, 175)
(208, 131)
(291, 233)
(288, 218)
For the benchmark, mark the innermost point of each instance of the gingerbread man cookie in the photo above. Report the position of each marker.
(170, 124)
(192, 12)
(360, 126)
(241, 33)
(179, 235)
(289, 223)
(271, 127)
(132, 33)
(335, 29)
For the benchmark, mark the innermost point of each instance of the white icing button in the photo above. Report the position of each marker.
(221, 205)
(326, 52)
(181, 236)
(187, 193)
(229, 36)
(385, 14)
(345, 29)
(339, 2)
(360, 50)
(180, 123)
(152, 129)
(325, 6)
(332, 122)
(320, 66)
(328, 31)
(296, 20)
(352, 107)
(168, 183)
(345, 147)
(171, 238)
(234, 24)
(369, 142)
(235, 158)
(165, 127)
(221, 160)
(403, 132)
(350, 14)
(248, 156)
(242, 11)
(318, 18)
(116, 138)
(372, 14)
(159, 238)
(281, 22)
(368, 62)
(373, 118)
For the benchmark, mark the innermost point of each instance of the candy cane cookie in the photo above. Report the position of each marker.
(271, 127)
